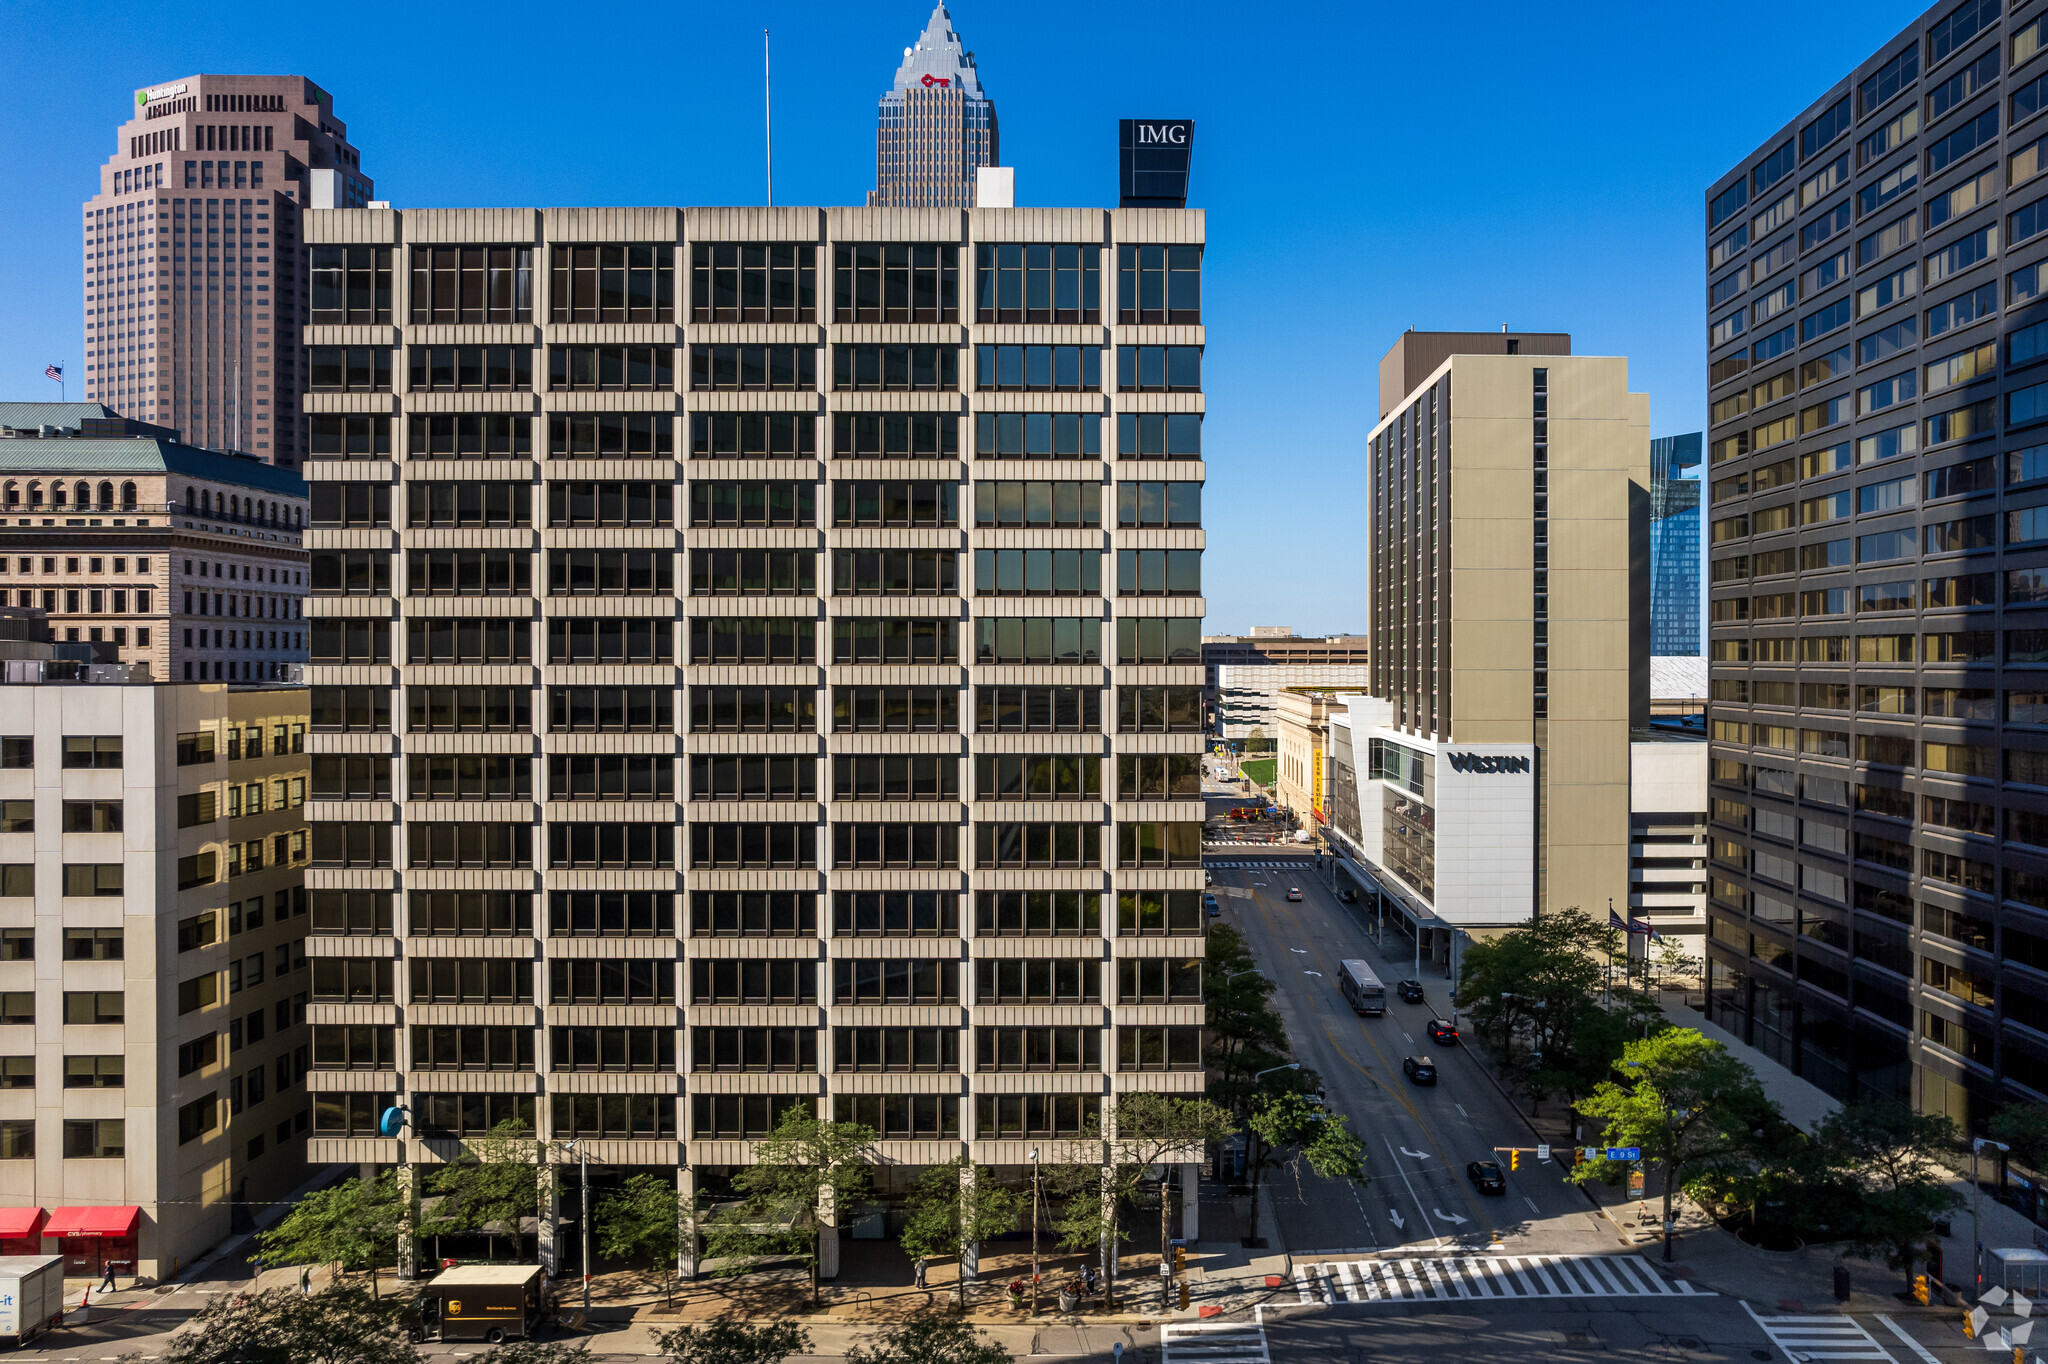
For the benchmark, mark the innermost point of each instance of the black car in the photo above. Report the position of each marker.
(1410, 991)
(1419, 1069)
(1486, 1177)
(1444, 1031)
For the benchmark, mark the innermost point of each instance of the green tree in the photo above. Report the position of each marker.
(942, 1219)
(642, 1218)
(343, 1325)
(1686, 1102)
(354, 1224)
(1100, 1174)
(802, 1164)
(1289, 1125)
(1241, 1034)
(490, 1185)
(731, 1340)
(930, 1340)
(1893, 1156)
(2023, 1127)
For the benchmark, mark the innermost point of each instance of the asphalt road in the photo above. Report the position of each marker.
(1419, 1138)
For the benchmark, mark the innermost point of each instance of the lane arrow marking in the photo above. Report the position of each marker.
(1450, 1217)
(1396, 1218)
(1417, 1155)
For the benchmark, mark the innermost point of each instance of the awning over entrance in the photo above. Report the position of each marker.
(89, 1222)
(19, 1223)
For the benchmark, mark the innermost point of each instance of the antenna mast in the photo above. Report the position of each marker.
(768, 115)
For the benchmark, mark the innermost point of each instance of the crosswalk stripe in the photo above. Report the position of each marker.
(1213, 1343)
(1477, 1277)
(1821, 1337)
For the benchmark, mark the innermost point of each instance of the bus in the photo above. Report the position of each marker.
(1362, 989)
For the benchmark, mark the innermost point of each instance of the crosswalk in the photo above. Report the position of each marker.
(1821, 1337)
(1192, 1342)
(1256, 864)
(1485, 1276)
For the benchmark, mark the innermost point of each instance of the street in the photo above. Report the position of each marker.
(1419, 1138)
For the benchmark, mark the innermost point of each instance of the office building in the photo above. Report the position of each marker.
(187, 561)
(1489, 771)
(1667, 805)
(153, 978)
(1248, 695)
(1878, 565)
(1301, 728)
(1275, 645)
(194, 266)
(1675, 558)
(780, 686)
(936, 127)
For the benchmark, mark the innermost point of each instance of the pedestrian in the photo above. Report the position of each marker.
(919, 1271)
(107, 1279)
(1088, 1276)
(306, 1280)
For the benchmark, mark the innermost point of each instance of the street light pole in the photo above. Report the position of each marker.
(1034, 1233)
(1977, 1210)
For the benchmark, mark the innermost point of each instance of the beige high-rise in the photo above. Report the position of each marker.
(763, 667)
(1509, 631)
(195, 276)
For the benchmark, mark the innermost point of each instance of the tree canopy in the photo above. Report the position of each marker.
(944, 1217)
(355, 1224)
(803, 1163)
(342, 1325)
(930, 1339)
(734, 1340)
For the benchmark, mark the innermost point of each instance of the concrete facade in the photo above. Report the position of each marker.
(802, 870)
(195, 282)
(155, 971)
(1510, 522)
(189, 562)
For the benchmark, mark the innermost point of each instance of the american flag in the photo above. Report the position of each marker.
(55, 372)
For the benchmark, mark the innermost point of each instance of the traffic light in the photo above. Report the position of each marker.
(2019, 1352)
(1180, 1259)
(1184, 1306)
(1514, 1158)
(1920, 1289)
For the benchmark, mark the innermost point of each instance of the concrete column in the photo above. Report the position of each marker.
(548, 1213)
(970, 1255)
(828, 1236)
(1191, 1201)
(408, 1221)
(686, 1217)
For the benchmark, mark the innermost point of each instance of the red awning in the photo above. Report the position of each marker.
(100, 1222)
(16, 1223)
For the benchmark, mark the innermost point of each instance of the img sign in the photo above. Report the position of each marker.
(1153, 155)
(1486, 762)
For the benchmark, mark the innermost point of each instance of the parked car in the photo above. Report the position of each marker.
(1409, 990)
(1444, 1031)
(1419, 1069)
(1208, 877)
(1348, 897)
(1294, 892)
(1486, 1177)
(1209, 903)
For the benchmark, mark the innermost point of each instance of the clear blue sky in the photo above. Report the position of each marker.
(1365, 168)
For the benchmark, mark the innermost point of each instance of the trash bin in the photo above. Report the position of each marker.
(1841, 1283)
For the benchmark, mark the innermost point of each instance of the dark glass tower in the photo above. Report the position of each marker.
(936, 126)
(1675, 546)
(1878, 542)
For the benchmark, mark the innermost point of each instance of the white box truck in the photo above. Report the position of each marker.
(31, 1296)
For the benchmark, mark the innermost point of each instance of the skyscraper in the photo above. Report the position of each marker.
(1490, 768)
(935, 127)
(194, 278)
(1674, 547)
(774, 723)
(1878, 467)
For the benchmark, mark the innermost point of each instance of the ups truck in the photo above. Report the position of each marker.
(490, 1303)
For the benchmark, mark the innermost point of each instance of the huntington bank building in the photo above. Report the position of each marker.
(1488, 775)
